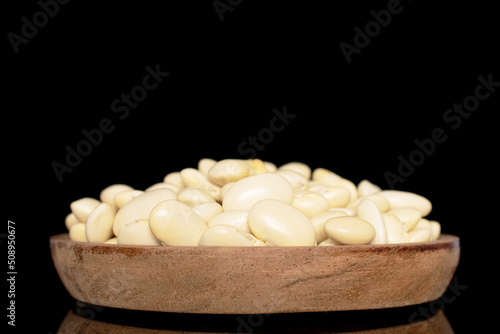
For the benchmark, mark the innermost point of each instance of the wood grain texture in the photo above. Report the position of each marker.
(255, 280)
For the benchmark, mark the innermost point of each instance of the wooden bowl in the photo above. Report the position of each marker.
(255, 280)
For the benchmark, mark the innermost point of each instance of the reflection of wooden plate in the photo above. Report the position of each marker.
(253, 280)
(113, 321)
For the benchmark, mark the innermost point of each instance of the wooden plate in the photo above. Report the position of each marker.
(255, 280)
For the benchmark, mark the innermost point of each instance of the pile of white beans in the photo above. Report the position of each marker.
(235, 202)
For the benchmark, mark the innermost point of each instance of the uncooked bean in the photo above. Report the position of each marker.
(77, 232)
(249, 201)
(236, 218)
(420, 235)
(194, 178)
(337, 197)
(137, 232)
(408, 216)
(396, 232)
(257, 166)
(174, 223)
(381, 201)
(108, 194)
(349, 230)
(319, 223)
(297, 180)
(252, 189)
(124, 197)
(192, 196)
(175, 188)
(435, 230)
(368, 210)
(112, 241)
(224, 190)
(401, 199)
(71, 220)
(270, 167)
(205, 164)
(325, 176)
(348, 212)
(331, 179)
(280, 224)
(174, 178)
(329, 242)
(298, 167)
(366, 188)
(99, 224)
(226, 235)
(228, 170)
(207, 210)
(310, 203)
(349, 185)
(83, 207)
(140, 207)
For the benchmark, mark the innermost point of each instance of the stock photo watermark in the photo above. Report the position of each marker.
(453, 118)
(11, 271)
(122, 107)
(258, 142)
(30, 27)
(429, 310)
(363, 37)
(223, 6)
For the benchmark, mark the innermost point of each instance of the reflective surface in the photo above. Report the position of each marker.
(86, 318)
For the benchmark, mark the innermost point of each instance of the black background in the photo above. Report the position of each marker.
(225, 79)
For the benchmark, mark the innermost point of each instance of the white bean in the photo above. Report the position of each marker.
(205, 164)
(408, 216)
(368, 210)
(401, 199)
(226, 235)
(298, 167)
(319, 223)
(174, 178)
(207, 210)
(137, 232)
(366, 188)
(236, 218)
(174, 223)
(310, 203)
(83, 207)
(329, 178)
(108, 194)
(252, 189)
(270, 167)
(192, 196)
(349, 230)
(325, 176)
(329, 242)
(435, 230)
(420, 235)
(194, 178)
(112, 241)
(280, 224)
(297, 180)
(336, 196)
(175, 188)
(99, 224)
(381, 201)
(71, 220)
(124, 197)
(396, 232)
(228, 170)
(77, 232)
(140, 207)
